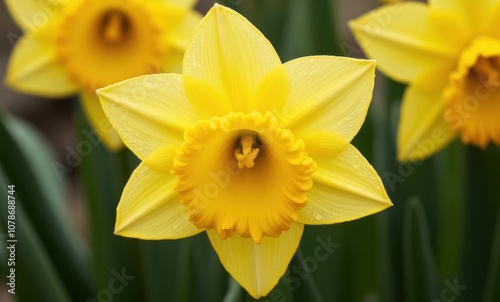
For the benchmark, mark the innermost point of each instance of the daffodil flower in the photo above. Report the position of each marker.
(77, 46)
(244, 148)
(448, 51)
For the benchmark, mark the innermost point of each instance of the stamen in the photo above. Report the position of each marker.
(114, 26)
(488, 69)
(246, 153)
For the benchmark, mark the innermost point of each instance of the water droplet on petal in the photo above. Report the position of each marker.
(318, 216)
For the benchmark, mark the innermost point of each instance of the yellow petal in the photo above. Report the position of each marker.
(182, 3)
(100, 123)
(150, 209)
(272, 91)
(228, 52)
(450, 25)
(346, 187)
(492, 23)
(31, 14)
(436, 77)
(161, 159)
(324, 144)
(328, 94)
(205, 98)
(473, 12)
(422, 128)
(33, 66)
(402, 41)
(257, 267)
(182, 33)
(148, 112)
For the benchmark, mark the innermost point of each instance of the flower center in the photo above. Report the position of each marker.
(103, 42)
(247, 151)
(242, 174)
(488, 69)
(472, 99)
(115, 26)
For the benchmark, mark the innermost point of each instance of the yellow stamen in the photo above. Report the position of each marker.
(246, 154)
(115, 27)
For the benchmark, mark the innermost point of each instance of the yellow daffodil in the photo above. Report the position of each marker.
(245, 148)
(448, 51)
(77, 46)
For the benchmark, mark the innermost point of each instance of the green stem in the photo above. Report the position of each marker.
(104, 175)
(308, 288)
(481, 208)
(450, 209)
(234, 292)
(493, 278)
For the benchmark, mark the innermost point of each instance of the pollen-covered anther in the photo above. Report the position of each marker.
(246, 153)
(115, 26)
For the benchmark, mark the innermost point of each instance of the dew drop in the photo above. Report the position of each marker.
(318, 216)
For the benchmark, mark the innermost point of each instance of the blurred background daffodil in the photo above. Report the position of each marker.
(85, 45)
(449, 54)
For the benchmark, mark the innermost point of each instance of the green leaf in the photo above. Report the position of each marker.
(420, 272)
(104, 175)
(481, 208)
(36, 278)
(492, 290)
(308, 289)
(235, 292)
(268, 16)
(163, 269)
(208, 276)
(309, 30)
(384, 114)
(342, 261)
(30, 167)
(450, 209)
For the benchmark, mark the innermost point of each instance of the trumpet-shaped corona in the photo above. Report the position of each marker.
(96, 38)
(249, 157)
(471, 98)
